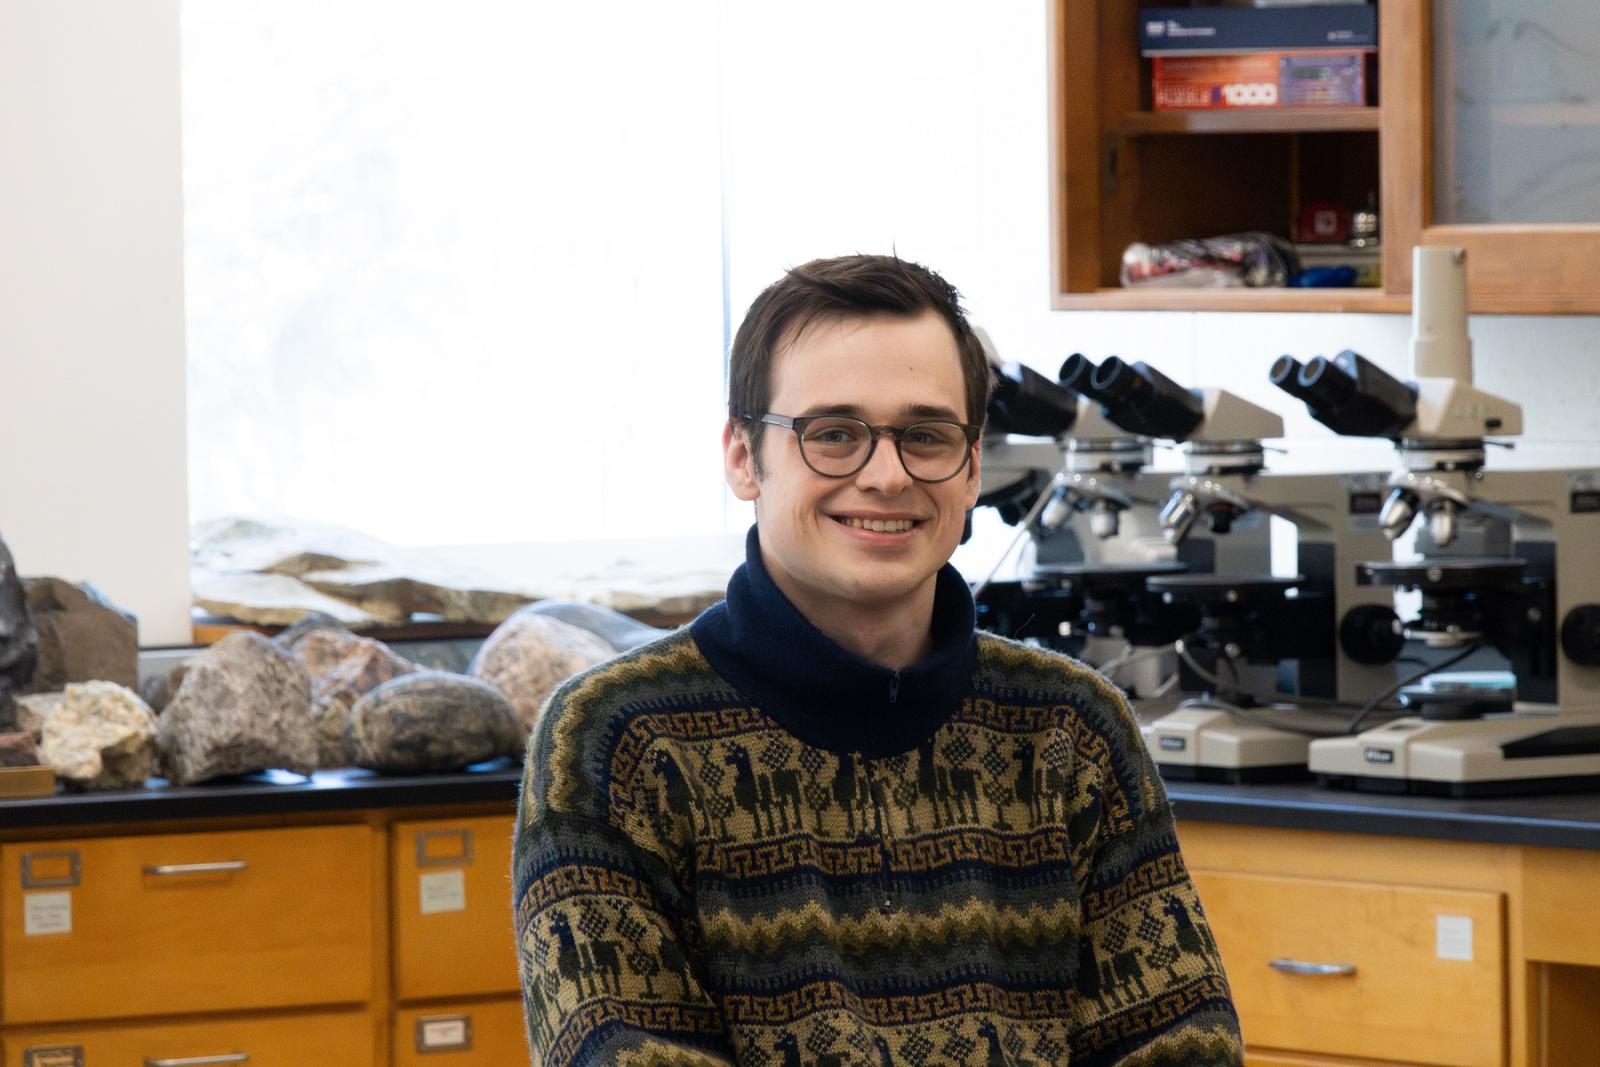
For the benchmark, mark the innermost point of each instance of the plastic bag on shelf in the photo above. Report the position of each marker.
(1233, 260)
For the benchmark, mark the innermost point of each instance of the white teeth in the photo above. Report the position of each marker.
(881, 525)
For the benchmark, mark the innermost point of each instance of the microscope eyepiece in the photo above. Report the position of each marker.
(1144, 401)
(1325, 383)
(1026, 402)
(1285, 374)
(1348, 394)
(1077, 373)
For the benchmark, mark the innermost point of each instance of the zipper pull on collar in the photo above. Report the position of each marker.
(894, 687)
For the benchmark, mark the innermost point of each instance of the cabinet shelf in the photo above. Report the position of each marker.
(1111, 299)
(1265, 120)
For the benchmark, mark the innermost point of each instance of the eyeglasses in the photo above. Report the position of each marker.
(837, 446)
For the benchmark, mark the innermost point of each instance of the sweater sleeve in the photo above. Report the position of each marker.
(605, 968)
(1151, 990)
(606, 945)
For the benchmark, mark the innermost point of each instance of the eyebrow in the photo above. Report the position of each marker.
(914, 411)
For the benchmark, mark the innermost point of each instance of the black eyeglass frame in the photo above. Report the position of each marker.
(799, 424)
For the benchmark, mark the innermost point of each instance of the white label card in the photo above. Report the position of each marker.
(443, 891)
(444, 1033)
(47, 913)
(1454, 937)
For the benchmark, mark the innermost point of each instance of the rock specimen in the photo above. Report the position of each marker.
(530, 654)
(275, 574)
(100, 736)
(244, 706)
(29, 713)
(620, 631)
(82, 636)
(431, 721)
(18, 750)
(18, 637)
(344, 667)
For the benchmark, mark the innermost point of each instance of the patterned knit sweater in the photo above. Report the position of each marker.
(743, 844)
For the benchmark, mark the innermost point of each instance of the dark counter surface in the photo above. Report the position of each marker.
(1565, 821)
(1570, 820)
(269, 793)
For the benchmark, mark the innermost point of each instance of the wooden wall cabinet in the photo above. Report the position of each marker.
(1121, 172)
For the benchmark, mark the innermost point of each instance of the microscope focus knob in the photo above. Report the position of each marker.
(1580, 635)
(1371, 634)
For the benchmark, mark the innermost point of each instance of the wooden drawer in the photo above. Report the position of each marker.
(452, 908)
(1408, 997)
(488, 1032)
(1273, 1058)
(1560, 924)
(171, 924)
(342, 1038)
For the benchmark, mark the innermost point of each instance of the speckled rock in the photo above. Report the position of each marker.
(620, 631)
(100, 736)
(29, 713)
(431, 721)
(530, 654)
(244, 706)
(344, 667)
(19, 750)
(83, 637)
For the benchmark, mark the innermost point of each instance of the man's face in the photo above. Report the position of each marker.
(886, 370)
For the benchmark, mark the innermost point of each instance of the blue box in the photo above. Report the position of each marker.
(1169, 31)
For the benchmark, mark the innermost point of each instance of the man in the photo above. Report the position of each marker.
(828, 823)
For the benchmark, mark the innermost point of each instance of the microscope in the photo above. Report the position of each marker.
(1078, 487)
(1262, 640)
(1506, 568)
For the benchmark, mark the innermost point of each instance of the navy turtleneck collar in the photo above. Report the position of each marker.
(825, 695)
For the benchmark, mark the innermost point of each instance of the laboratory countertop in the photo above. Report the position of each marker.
(1561, 821)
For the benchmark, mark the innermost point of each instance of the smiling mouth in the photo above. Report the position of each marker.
(878, 525)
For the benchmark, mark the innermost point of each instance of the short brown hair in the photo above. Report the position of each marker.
(842, 287)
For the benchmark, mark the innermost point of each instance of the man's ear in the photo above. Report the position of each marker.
(974, 476)
(738, 464)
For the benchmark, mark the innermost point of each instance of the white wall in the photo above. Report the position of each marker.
(916, 125)
(91, 302)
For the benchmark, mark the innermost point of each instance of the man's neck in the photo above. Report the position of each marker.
(893, 635)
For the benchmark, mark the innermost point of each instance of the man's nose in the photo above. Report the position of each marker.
(884, 471)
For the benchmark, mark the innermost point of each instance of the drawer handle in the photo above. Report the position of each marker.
(165, 869)
(198, 1061)
(1301, 967)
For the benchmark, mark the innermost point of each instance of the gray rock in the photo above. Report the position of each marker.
(620, 631)
(431, 721)
(344, 667)
(244, 706)
(19, 750)
(100, 736)
(19, 638)
(83, 637)
(530, 654)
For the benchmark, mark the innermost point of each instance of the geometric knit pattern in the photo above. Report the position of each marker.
(694, 885)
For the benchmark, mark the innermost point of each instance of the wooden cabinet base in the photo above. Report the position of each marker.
(486, 1033)
(290, 1040)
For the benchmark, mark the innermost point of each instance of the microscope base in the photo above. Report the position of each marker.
(1507, 756)
(1213, 745)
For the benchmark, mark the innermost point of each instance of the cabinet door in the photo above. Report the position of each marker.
(1362, 970)
(296, 1040)
(175, 923)
(487, 1033)
(452, 919)
(1513, 106)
